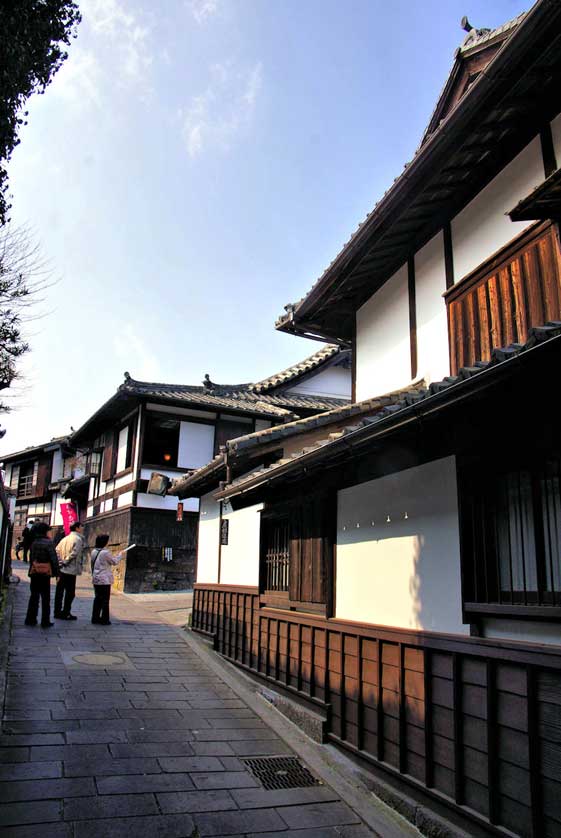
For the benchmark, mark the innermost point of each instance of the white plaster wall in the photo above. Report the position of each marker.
(528, 631)
(56, 516)
(125, 499)
(156, 501)
(208, 540)
(56, 470)
(8, 475)
(122, 448)
(239, 561)
(383, 353)
(334, 381)
(405, 573)
(556, 132)
(196, 444)
(137, 445)
(483, 227)
(261, 424)
(432, 324)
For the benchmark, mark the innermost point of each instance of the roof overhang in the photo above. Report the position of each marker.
(542, 203)
(542, 356)
(503, 110)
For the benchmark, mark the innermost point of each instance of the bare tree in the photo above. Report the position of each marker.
(23, 278)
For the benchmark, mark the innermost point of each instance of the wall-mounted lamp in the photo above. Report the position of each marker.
(388, 519)
(406, 517)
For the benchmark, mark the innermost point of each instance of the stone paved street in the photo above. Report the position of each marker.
(151, 745)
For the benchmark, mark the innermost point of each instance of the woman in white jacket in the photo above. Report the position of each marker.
(102, 577)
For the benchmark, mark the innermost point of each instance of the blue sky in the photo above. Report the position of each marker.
(195, 165)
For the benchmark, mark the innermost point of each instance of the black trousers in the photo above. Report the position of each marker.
(40, 586)
(100, 610)
(65, 587)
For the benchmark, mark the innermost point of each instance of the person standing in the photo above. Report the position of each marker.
(102, 577)
(43, 564)
(26, 540)
(69, 552)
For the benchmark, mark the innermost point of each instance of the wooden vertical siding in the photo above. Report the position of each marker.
(497, 304)
(475, 723)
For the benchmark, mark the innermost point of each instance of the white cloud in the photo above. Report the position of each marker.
(137, 359)
(220, 115)
(202, 10)
(79, 80)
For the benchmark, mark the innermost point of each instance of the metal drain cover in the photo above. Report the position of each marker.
(280, 772)
(99, 659)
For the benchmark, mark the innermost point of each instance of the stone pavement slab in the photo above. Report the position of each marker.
(124, 730)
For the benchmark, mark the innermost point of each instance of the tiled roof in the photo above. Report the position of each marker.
(362, 231)
(235, 397)
(537, 335)
(244, 444)
(56, 440)
(302, 368)
(478, 37)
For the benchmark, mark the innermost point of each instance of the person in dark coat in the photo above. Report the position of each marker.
(43, 564)
(26, 539)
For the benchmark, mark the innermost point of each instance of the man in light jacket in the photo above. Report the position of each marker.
(69, 552)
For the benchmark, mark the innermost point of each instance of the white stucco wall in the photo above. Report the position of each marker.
(334, 381)
(122, 448)
(405, 573)
(483, 227)
(168, 502)
(196, 444)
(208, 540)
(125, 499)
(56, 470)
(556, 132)
(432, 324)
(239, 561)
(383, 350)
(261, 424)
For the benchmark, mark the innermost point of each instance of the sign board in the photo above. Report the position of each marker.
(224, 530)
(69, 515)
(179, 511)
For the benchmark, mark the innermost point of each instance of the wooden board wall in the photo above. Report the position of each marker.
(498, 304)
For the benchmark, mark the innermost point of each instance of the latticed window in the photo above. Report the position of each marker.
(512, 536)
(25, 482)
(276, 553)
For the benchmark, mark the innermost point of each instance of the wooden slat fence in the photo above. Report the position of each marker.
(475, 723)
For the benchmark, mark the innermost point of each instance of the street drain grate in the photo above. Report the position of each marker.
(281, 772)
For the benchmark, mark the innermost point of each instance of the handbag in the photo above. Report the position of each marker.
(41, 569)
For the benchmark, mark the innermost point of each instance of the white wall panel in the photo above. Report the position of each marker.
(125, 499)
(208, 540)
(156, 501)
(56, 470)
(432, 324)
(405, 573)
(239, 562)
(483, 227)
(334, 381)
(122, 448)
(196, 444)
(383, 352)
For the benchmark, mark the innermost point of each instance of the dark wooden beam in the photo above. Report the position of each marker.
(412, 314)
(548, 150)
(448, 255)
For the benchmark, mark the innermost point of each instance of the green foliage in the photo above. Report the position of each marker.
(32, 38)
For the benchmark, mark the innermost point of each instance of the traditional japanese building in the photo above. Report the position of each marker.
(43, 479)
(148, 428)
(404, 578)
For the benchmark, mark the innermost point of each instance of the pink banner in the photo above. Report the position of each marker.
(69, 515)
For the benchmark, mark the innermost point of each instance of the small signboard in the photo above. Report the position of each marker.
(224, 529)
(179, 511)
